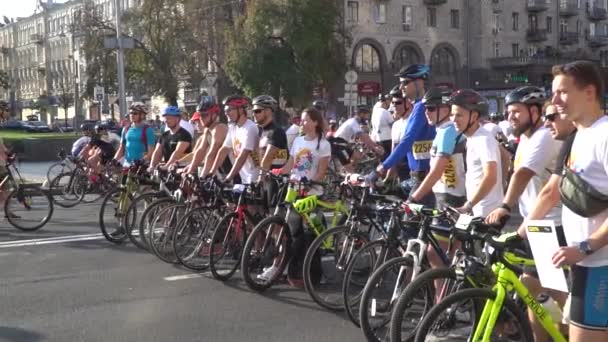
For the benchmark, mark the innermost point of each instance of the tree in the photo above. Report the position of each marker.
(286, 48)
(65, 97)
(4, 80)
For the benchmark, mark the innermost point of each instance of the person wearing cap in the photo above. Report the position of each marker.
(137, 139)
(346, 135)
(184, 123)
(418, 137)
(381, 124)
(173, 143)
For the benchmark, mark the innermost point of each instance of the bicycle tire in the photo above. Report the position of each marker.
(131, 225)
(63, 165)
(146, 219)
(204, 219)
(164, 250)
(13, 219)
(483, 295)
(221, 236)
(104, 226)
(354, 241)
(56, 187)
(249, 261)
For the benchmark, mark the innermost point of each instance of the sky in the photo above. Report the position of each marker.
(19, 8)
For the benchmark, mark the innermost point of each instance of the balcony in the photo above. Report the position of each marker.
(36, 38)
(536, 35)
(597, 40)
(595, 13)
(568, 38)
(568, 8)
(434, 2)
(537, 5)
(510, 62)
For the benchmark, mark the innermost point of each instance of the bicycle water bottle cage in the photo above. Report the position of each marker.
(306, 205)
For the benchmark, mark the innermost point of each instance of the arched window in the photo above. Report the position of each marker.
(407, 55)
(367, 59)
(443, 62)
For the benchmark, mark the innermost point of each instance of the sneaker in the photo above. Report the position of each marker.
(269, 273)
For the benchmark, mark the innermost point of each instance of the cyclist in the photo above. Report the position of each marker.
(242, 140)
(293, 131)
(212, 138)
(483, 164)
(137, 139)
(418, 137)
(4, 153)
(578, 92)
(84, 140)
(401, 108)
(321, 106)
(99, 151)
(381, 123)
(174, 143)
(309, 159)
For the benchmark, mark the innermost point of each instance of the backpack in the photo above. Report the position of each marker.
(144, 139)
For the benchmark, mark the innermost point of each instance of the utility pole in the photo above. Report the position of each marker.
(120, 61)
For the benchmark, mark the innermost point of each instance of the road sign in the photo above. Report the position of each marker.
(350, 87)
(351, 77)
(98, 93)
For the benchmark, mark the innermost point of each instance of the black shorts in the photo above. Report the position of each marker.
(589, 297)
(340, 149)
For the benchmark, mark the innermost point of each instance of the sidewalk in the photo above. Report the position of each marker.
(34, 170)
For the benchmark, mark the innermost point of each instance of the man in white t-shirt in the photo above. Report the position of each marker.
(381, 123)
(242, 141)
(578, 92)
(346, 135)
(484, 172)
(293, 131)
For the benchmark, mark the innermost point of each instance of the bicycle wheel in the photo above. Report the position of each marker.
(199, 224)
(267, 246)
(330, 253)
(111, 215)
(67, 189)
(359, 269)
(136, 209)
(417, 300)
(227, 246)
(456, 317)
(147, 218)
(161, 232)
(28, 207)
(58, 168)
(379, 295)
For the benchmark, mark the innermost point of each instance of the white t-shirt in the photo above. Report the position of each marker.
(505, 127)
(349, 130)
(185, 125)
(292, 132)
(398, 130)
(539, 154)
(381, 124)
(589, 160)
(306, 156)
(492, 128)
(482, 148)
(241, 138)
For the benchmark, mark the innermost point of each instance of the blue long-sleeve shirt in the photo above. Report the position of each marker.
(416, 142)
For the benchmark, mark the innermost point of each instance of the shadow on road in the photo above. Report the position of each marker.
(104, 244)
(17, 334)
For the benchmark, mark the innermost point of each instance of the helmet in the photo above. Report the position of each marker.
(86, 127)
(319, 105)
(138, 107)
(526, 95)
(471, 100)
(265, 101)
(101, 127)
(171, 111)
(383, 97)
(363, 109)
(236, 101)
(436, 97)
(207, 105)
(415, 72)
(396, 92)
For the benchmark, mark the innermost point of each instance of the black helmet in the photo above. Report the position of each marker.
(206, 103)
(436, 97)
(265, 101)
(527, 95)
(471, 100)
(320, 105)
(100, 127)
(87, 127)
(415, 72)
(236, 101)
(363, 109)
(396, 92)
(383, 97)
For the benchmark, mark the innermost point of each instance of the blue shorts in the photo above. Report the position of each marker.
(589, 297)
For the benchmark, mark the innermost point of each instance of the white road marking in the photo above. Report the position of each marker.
(53, 240)
(187, 276)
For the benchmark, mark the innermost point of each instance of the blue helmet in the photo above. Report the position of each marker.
(172, 111)
(415, 72)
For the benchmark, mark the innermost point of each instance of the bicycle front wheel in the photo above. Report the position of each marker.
(196, 229)
(28, 207)
(227, 246)
(162, 232)
(111, 215)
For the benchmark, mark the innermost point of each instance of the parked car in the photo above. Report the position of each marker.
(36, 127)
(14, 125)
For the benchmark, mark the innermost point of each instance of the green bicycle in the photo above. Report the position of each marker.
(491, 313)
(270, 240)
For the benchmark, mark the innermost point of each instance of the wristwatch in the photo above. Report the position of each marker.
(585, 247)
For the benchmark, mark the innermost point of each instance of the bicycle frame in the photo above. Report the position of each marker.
(508, 281)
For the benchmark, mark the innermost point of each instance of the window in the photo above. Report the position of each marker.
(533, 22)
(367, 59)
(380, 13)
(606, 29)
(515, 49)
(406, 17)
(496, 49)
(563, 25)
(592, 29)
(455, 18)
(408, 55)
(515, 18)
(549, 24)
(497, 22)
(578, 26)
(353, 11)
(431, 17)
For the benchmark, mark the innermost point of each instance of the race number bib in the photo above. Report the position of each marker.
(422, 149)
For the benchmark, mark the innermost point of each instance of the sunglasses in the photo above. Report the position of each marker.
(397, 103)
(550, 117)
(258, 111)
(406, 82)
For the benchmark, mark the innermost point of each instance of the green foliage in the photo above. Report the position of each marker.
(286, 48)
(4, 80)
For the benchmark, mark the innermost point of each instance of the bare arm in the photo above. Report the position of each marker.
(156, 155)
(238, 164)
(120, 153)
(487, 183)
(429, 181)
(219, 159)
(547, 199)
(180, 149)
(217, 137)
(288, 166)
(271, 152)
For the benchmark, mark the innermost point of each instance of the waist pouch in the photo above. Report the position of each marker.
(579, 196)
